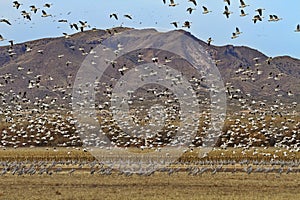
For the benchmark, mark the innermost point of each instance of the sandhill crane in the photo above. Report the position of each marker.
(44, 14)
(113, 15)
(190, 10)
(227, 12)
(227, 1)
(297, 28)
(5, 21)
(243, 14)
(243, 5)
(175, 24)
(172, 3)
(63, 21)
(128, 16)
(187, 24)
(259, 10)
(205, 10)
(17, 4)
(194, 2)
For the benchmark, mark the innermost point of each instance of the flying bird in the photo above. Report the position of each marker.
(172, 3)
(175, 24)
(5, 21)
(243, 5)
(274, 18)
(34, 9)
(1, 38)
(237, 31)
(128, 16)
(260, 10)
(113, 15)
(17, 4)
(243, 14)
(44, 14)
(234, 35)
(48, 5)
(205, 10)
(187, 24)
(227, 12)
(194, 2)
(209, 40)
(227, 1)
(297, 28)
(190, 10)
(25, 14)
(257, 18)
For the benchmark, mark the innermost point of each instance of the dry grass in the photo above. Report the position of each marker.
(159, 186)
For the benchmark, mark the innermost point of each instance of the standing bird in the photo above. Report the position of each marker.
(243, 5)
(16, 4)
(297, 28)
(205, 10)
(227, 12)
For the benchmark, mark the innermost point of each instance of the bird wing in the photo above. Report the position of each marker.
(44, 12)
(204, 8)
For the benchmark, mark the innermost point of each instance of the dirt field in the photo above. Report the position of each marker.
(83, 185)
(159, 186)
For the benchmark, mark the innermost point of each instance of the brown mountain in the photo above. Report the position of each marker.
(48, 67)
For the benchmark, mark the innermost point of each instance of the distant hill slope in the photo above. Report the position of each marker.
(52, 63)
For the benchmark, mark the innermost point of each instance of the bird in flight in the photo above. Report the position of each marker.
(34, 9)
(44, 14)
(47, 5)
(187, 24)
(205, 10)
(243, 14)
(5, 21)
(113, 15)
(243, 5)
(172, 3)
(297, 28)
(209, 40)
(190, 10)
(175, 24)
(257, 18)
(194, 2)
(260, 10)
(17, 4)
(128, 16)
(227, 12)
(227, 1)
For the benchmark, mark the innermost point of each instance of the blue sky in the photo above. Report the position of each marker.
(272, 38)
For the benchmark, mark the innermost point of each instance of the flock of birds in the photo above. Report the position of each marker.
(42, 121)
(71, 167)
